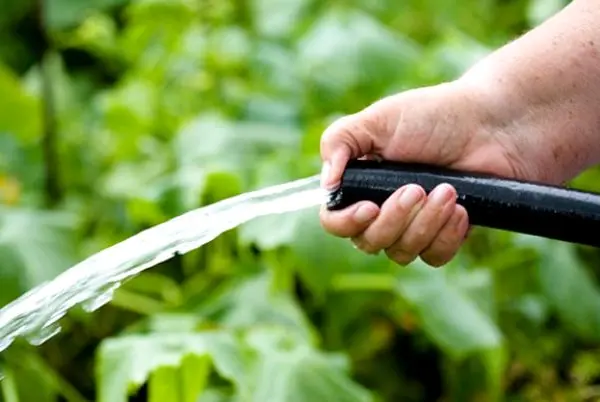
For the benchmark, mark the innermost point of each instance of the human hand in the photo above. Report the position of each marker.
(441, 125)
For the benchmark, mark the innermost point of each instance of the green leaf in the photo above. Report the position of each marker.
(195, 373)
(201, 144)
(288, 372)
(183, 384)
(253, 302)
(20, 111)
(322, 256)
(35, 246)
(448, 316)
(164, 385)
(126, 362)
(570, 289)
(346, 47)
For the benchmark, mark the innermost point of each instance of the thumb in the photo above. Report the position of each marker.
(349, 137)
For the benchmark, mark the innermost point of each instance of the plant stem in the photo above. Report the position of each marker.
(53, 192)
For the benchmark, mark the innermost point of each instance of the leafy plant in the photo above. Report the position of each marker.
(118, 115)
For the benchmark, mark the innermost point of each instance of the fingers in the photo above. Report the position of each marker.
(396, 214)
(426, 225)
(347, 138)
(448, 240)
(409, 224)
(350, 221)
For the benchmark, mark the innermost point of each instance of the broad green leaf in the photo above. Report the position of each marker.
(477, 284)
(448, 316)
(571, 290)
(453, 320)
(195, 375)
(129, 111)
(130, 180)
(20, 111)
(201, 144)
(35, 246)
(288, 372)
(126, 362)
(321, 256)
(346, 47)
(253, 303)
(163, 385)
(180, 384)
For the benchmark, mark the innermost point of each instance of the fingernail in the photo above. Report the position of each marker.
(442, 194)
(365, 213)
(409, 196)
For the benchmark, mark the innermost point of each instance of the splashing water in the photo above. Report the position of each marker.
(91, 283)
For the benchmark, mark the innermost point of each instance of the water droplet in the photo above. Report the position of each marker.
(95, 302)
(39, 337)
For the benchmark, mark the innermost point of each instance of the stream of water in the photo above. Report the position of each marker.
(92, 282)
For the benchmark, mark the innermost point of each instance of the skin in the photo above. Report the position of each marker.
(530, 110)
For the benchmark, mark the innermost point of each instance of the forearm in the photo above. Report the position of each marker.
(544, 89)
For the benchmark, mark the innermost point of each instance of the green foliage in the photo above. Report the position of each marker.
(121, 114)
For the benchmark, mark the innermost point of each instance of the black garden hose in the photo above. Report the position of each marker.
(524, 207)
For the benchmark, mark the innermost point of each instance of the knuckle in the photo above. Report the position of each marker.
(398, 211)
(444, 243)
(334, 129)
(415, 243)
(420, 233)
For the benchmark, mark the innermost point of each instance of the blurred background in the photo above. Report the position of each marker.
(117, 115)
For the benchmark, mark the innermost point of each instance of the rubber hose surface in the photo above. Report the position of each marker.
(523, 207)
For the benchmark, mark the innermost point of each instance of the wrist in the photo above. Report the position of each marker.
(541, 93)
(546, 137)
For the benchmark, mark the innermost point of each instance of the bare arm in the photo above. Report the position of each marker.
(544, 88)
